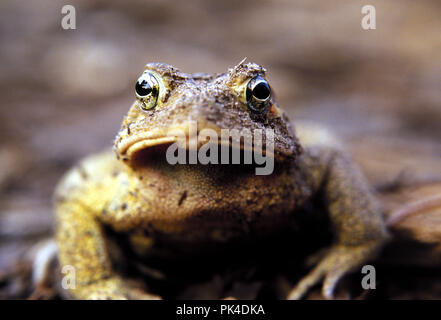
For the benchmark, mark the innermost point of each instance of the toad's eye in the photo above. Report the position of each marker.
(147, 90)
(258, 94)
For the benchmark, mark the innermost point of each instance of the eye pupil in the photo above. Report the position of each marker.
(261, 90)
(258, 94)
(143, 88)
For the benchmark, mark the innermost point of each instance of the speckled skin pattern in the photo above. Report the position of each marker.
(134, 191)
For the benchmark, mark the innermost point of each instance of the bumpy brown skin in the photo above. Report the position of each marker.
(138, 193)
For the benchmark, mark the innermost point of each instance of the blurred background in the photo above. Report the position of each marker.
(64, 92)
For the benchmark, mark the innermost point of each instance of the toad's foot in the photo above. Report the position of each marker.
(114, 289)
(339, 261)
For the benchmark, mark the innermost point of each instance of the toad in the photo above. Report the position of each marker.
(134, 191)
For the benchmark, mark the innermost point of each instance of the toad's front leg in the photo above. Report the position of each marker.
(354, 213)
(80, 199)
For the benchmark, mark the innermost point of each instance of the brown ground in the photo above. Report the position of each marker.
(64, 93)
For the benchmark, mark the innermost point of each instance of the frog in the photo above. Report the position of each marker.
(134, 191)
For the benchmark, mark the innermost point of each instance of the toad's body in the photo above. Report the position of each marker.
(139, 194)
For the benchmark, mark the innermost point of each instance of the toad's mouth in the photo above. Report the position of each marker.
(140, 144)
(159, 146)
(148, 143)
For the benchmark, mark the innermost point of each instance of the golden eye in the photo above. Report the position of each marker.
(147, 90)
(258, 94)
